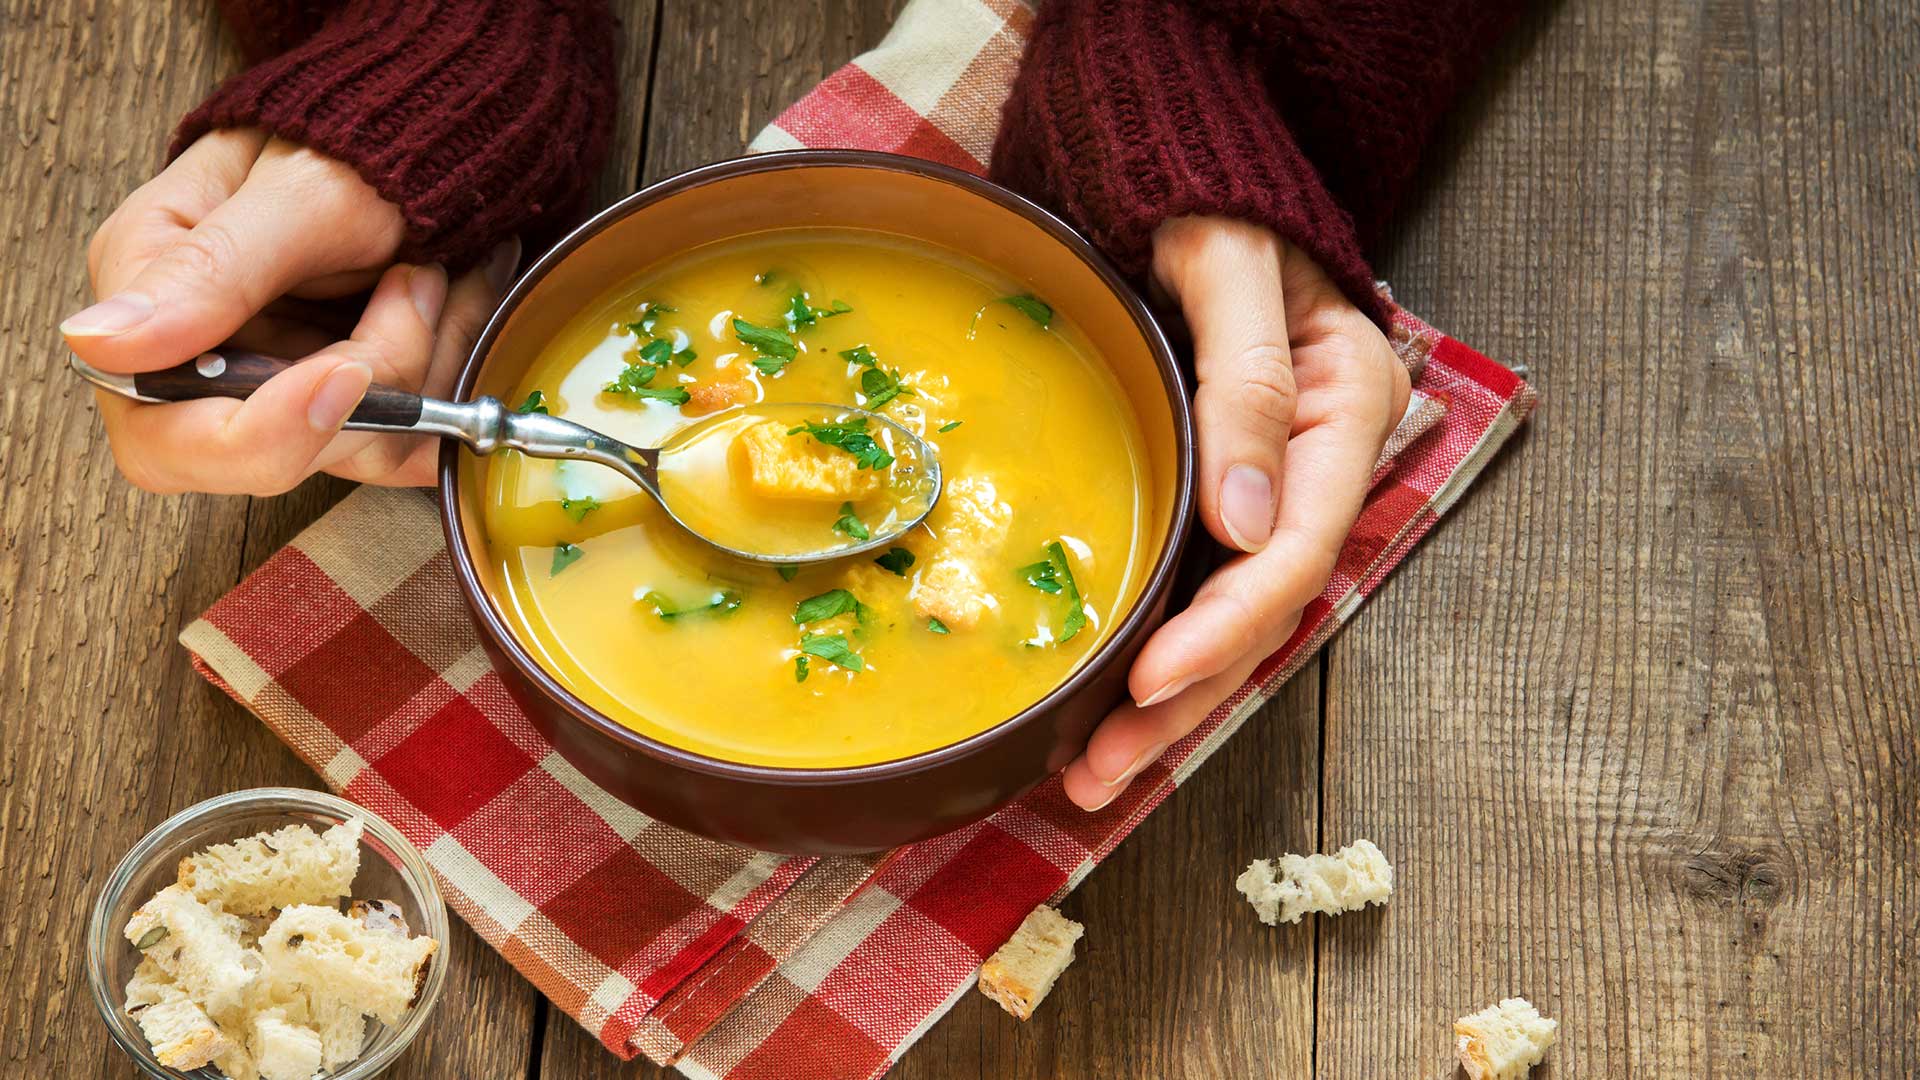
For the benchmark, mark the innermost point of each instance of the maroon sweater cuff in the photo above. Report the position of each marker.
(1308, 116)
(480, 119)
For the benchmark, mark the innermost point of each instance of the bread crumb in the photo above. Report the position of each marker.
(782, 466)
(1504, 1041)
(294, 865)
(706, 397)
(1020, 973)
(1347, 880)
(950, 590)
(319, 946)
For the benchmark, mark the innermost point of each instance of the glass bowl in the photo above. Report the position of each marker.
(391, 868)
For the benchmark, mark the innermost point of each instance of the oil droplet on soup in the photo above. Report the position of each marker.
(1033, 553)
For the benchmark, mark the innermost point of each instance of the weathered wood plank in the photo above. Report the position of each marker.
(1638, 725)
(105, 729)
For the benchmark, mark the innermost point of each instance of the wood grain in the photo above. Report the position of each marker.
(104, 729)
(1638, 724)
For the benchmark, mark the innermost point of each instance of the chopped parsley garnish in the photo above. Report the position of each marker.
(720, 603)
(776, 349)
(950, 425)
(881, 386)
(800, 668)
(860, 354)
(850, 524)
(564, 556)
(801, 314)
(650, 313)
(896, 560)
(787, 570)
(1031, 306)
(832, 648)
(936, 625)
(1054, 576)
(825, 606)
(536, 403)
(673, 395)
(685, 356)
(851, 436)
(579, 508)
(636, 379)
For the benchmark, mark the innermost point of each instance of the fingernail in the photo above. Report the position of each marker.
(1246, 507)
(428, 286)
(1145, 758)
(114, 315)
(1112, 794)
(501, 264)
(334, 400)
(1166, 692)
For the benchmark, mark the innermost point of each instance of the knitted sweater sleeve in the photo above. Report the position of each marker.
(1308, 116)
(480, 119)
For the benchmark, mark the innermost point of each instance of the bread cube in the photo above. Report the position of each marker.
(283, 1050)
(180, 1032)
(294, 865)
(950, 590)
(782, 466)
(1347, 880)
(236, 1062)
(1504, 1041)
(198, 947)
(319, 946)
(971, 516)
(1020, 973)
(342, 1028)
(384, 916)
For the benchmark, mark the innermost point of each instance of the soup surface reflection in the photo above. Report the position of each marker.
(1033, 553)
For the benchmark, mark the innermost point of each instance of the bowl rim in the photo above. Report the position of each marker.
(412, 865)
(1159, 579)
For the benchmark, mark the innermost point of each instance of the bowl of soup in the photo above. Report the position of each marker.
(857, 703)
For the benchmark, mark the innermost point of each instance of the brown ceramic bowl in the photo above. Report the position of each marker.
(869, 807)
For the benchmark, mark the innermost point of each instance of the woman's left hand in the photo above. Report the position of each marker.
(1298, 393)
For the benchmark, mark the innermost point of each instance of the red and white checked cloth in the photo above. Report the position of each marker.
(352, 645)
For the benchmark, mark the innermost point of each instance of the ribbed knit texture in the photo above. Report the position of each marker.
(1308, 116)
(480, 119)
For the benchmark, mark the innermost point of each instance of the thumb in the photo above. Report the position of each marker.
(201, 288)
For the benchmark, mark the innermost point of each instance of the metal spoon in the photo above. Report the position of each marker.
(486, 425)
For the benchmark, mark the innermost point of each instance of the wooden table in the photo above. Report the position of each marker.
(1637, 724)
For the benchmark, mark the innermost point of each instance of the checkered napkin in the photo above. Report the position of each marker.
(736, 963)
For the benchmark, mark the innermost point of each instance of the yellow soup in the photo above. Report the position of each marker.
(1034, 552)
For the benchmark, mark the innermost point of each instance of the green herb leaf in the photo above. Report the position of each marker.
(896, 560)
(536, 403)
(776, 349)
(579, 508)
(151, 938)
(1055, 576)
(564, 556)
(824, 606)
(787, 570)
(650, 313)
(860, 354)
(656, 352)
(801, 314)
(832, 648)
(1031, 306)
(721, 603)
(936, 625)
(881, 386)
(850, 524)
(800, 668)
(851, 436)
(685, 356)
(950, 425)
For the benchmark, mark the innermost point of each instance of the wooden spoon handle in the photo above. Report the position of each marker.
(236, 373)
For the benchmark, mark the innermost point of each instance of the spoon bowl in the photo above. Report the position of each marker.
(695, 461)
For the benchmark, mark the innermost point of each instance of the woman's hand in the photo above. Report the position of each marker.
(1298, 393)
(204, 254)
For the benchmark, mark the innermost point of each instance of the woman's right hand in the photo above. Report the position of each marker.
(204, 254)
